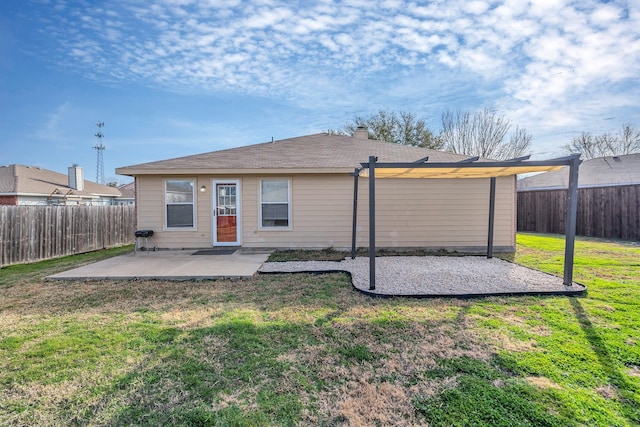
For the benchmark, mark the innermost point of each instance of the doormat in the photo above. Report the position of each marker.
(215, 252)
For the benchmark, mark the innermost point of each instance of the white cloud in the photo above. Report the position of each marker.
(50, 128)
(605, 15)
(477, 7)
(546, 8)
(535, 59)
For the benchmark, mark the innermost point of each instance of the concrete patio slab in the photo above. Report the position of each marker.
(169, 265)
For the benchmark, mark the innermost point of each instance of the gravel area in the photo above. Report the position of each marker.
(436, 276)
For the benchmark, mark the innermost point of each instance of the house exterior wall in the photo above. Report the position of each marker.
(434, 213)
(33, 200)
(442, 213)
(123, 202)
(321, 213)
(45, 201)
(8, 200)
(151, 213)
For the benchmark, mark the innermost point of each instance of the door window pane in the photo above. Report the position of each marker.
(226, 199)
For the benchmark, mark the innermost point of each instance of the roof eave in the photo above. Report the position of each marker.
(101, 195)
(84, 196)
(132, 171)
(24, 194)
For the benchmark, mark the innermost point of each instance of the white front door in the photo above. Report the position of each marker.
(226, 212)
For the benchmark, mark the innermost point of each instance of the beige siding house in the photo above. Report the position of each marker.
(298, 193)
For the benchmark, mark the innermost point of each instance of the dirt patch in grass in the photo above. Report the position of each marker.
(634, 371)
(360, 403)
(543, 383)
(607, 391)
(331, 254)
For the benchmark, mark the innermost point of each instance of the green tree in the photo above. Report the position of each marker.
(397, 127)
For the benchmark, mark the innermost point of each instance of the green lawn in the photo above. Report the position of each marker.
(308, 350)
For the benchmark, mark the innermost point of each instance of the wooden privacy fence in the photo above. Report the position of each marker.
(32, 233)
(610, 212)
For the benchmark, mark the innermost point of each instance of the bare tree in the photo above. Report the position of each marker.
(584, 144)
(483, 135)
(397, 127)
(519, 144)
(607, 144)
(629, 140)
(456, 131)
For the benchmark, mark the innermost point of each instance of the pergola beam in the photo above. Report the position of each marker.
(518, 159)
(422, 160)
(564, 161)
(470, 160)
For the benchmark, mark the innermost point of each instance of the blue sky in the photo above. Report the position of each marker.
(178, 77)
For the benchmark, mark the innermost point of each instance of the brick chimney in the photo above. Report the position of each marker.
(76, 179)
(361, 133)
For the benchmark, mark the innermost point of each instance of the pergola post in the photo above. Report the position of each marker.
(372, 222)
(356, 173)
(572, 213)
(492, 211)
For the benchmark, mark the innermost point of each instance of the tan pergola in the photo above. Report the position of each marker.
(469, 168)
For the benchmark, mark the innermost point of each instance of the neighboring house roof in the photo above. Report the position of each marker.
(33, 181)
(313, 153)
(600, 172)
(128, 191)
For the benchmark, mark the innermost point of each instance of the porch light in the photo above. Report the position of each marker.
(203, 188)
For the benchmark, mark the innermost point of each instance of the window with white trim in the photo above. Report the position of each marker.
(275, 209)
(179, 196)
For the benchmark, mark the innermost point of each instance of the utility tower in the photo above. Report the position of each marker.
(100, 148)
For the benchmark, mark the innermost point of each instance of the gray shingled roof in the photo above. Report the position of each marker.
(600, 172)
(20, 179)
(313, 151)
(128, 191)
